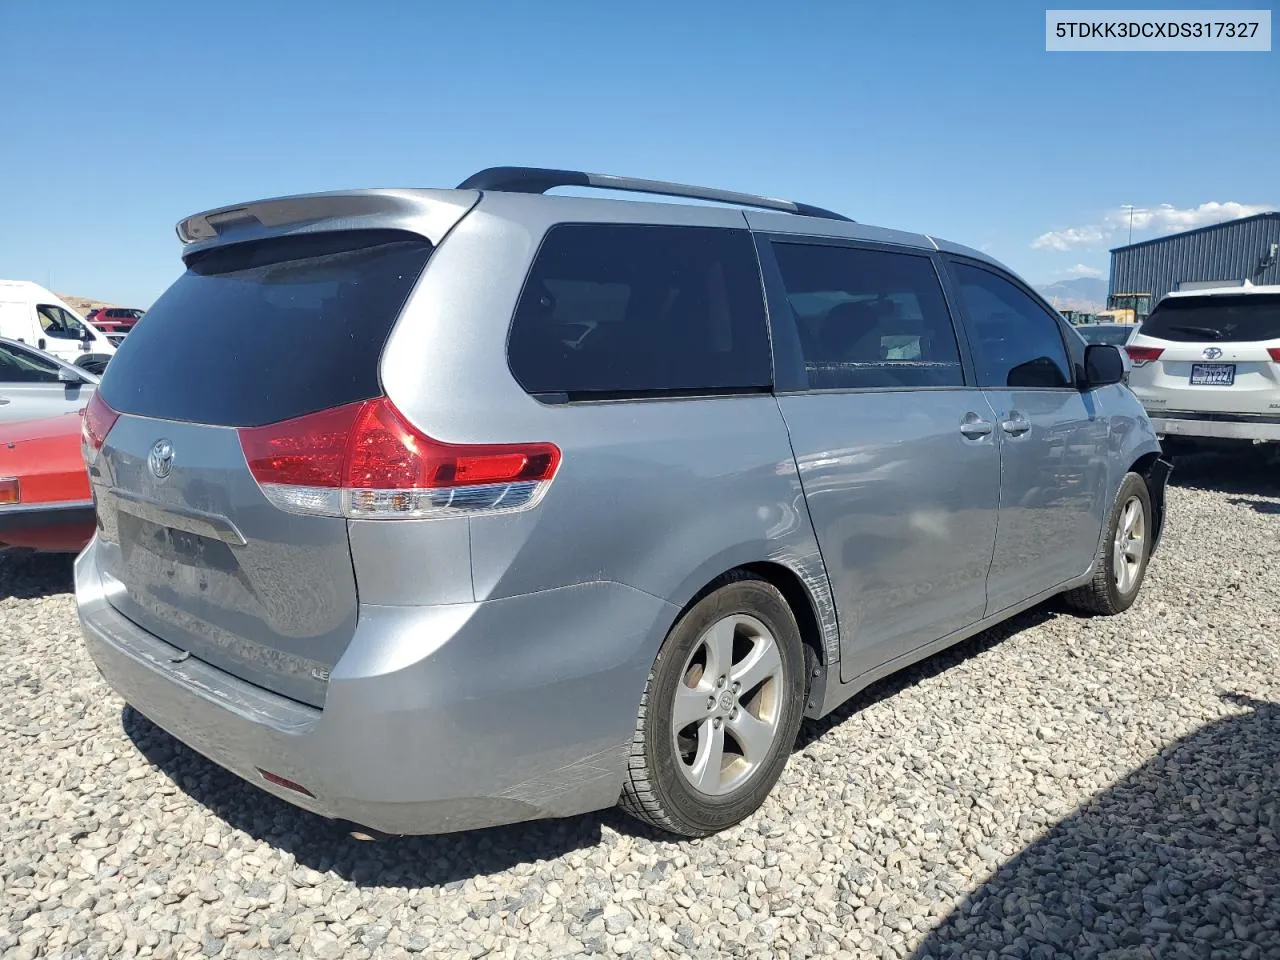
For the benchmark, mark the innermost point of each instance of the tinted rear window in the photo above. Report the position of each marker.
(633, 310)
(257, 333)
(1230, 318)
(1116, 336)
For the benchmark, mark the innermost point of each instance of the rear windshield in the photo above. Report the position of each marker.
(1116, 336)
(619, 310)
(261, 332)
(1231, 318)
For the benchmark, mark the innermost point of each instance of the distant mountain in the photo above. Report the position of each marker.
(1078, 293)
(82, 305)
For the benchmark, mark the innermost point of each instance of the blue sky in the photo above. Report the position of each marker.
(121, 118)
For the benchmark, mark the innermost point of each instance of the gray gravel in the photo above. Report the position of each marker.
(1056, 788)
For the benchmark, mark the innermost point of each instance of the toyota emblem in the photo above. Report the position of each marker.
(1212, 353)
(160, 459)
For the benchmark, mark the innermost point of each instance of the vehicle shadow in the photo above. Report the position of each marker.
(326, 845)
(25, 575)
(939, 663)
(1179, 859)
(1246, 472)
(1259, 505)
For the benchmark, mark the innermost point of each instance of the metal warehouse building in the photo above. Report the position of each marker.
(1221, 255)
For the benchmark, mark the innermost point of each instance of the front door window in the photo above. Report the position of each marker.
(60, 324)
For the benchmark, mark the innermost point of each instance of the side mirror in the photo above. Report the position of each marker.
(66, 375)
(1103, 365)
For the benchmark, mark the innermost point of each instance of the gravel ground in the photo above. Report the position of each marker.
(1055, 788)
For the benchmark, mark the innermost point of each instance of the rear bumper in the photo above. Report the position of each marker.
(54, 527)
(436, 719)
(1217, 426)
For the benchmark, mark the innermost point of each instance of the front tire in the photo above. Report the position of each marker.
(1121, 562)
(720, 711)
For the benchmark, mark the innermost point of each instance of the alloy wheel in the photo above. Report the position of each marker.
(728, 705)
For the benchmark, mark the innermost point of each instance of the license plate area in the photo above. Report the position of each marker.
(1213, 374)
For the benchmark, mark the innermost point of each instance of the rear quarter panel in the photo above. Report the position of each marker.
(659, 495)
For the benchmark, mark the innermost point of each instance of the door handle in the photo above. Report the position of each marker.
(1015, 426)
(973, 427)
(3, 401)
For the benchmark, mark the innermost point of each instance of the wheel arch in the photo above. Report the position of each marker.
(1154, 470)
(817, 634)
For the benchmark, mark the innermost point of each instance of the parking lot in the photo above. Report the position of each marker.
(1055, 787)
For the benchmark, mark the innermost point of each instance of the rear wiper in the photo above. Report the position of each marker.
(1209, 332)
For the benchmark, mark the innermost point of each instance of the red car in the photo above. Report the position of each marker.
(45, 501)
(117, 320)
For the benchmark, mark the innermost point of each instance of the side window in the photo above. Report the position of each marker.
(631, 309)
(1015, 342)
(18, 366)
(56, 322)
(869, 318)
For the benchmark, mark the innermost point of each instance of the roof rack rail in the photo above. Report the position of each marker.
(541, 179)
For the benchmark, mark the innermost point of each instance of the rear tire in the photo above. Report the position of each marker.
(732, 667)
(1121, 562)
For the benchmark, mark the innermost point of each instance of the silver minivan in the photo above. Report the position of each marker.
(428, 510)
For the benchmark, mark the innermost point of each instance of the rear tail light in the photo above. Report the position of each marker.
(1143, 355)
(98, 420)
(1274, 353)
(10, 490)
(364, 460)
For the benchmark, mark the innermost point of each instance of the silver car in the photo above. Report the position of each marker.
(34, 385)
(435, 509)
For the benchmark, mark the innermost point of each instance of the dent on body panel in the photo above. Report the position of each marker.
(1130, 435)
(661, 496)
(805, 561)
(1054, 491)
(904, 509)
(787, 539)
(900, 503)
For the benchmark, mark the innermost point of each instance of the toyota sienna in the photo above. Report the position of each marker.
(428, 510)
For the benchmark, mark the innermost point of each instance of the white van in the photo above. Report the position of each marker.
(32, 314)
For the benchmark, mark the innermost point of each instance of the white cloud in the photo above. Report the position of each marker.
(1161, 219)
(1063, 240)
(1083, 270)
(1166, 218)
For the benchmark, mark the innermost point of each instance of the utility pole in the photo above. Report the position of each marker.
(1130, 208)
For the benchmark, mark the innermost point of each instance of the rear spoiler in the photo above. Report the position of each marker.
(428, 213)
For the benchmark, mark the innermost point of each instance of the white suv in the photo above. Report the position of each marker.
(1206, 365)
